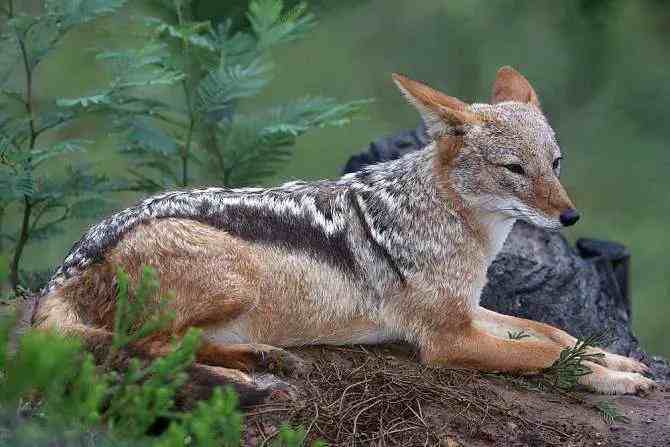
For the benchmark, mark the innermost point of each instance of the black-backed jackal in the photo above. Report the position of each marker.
(398, 251)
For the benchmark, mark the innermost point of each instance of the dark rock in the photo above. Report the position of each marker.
(539, 276)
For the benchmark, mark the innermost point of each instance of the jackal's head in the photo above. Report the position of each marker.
(500, 158)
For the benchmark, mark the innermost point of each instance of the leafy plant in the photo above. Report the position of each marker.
(565, 372)
(288, 437)
(216, 69)
(177, 101)
(52, 393)
(44, 199)
(213, 423)
(129, 325)
(610, 412)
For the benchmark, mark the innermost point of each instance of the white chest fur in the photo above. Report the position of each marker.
(497, 227)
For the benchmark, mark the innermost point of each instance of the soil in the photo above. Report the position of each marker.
(383, 396)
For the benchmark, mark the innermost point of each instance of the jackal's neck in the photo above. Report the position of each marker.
(402, 206)
(406, 207)
(488, 229)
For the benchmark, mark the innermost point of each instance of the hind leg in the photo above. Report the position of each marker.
(251, 390)
(251, 357)
(214, 279)
(203, 377)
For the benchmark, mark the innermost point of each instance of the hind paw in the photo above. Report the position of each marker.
(276, 388)
(277, 359)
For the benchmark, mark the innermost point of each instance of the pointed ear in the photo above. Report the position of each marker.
(510, 85)
(438, 111)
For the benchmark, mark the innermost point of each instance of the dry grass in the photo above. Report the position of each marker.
(355, 396)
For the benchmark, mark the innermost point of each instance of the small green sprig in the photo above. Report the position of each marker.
(566, 371)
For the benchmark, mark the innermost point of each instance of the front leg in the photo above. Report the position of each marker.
(471, 347)
(501, 325)
(474, 348)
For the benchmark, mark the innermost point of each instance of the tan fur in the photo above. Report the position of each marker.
(448, 148)
(550, 197)
(291, 312)
(471, 347)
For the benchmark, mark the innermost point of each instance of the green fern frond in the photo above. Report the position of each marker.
(256, 144)
(610, 412)
(39, 155)
(77, 12)
(139, 310)
(103, 98)
(226, 83)
(233, 46)
(272, 25)
(16, 183)
(566, 371)
(147, 66)
(192, 33)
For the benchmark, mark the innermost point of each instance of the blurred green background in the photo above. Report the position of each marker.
(600, 67)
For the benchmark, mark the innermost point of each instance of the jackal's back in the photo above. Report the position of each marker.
(307, 216)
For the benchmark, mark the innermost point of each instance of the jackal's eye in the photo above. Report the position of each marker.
(515, 168)
(557, 164)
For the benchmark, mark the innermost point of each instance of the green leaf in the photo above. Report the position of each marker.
(53, 119)
(15, 95)
(154, 153)
(272, 25)
(610, 412)
(36, 35)
(144, 136)
(193, 33)
(142, 67)
(216, 422)
(9, 56)
(6, 149)
(517, 335)
(565, 372)
(158, 76)
(22, 23)
(224, 84)
(141, 315)
(238, 48)
(77, 12)
(86, 101)
(40, 155)
(16, 184)
(255, 145)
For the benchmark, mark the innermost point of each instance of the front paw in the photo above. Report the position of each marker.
(606, 381)
(621, 363)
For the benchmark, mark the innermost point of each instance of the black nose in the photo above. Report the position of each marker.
(569, 217)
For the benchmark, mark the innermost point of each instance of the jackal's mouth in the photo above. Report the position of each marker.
(536, 219)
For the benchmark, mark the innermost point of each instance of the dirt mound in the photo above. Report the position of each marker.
(382, 396)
